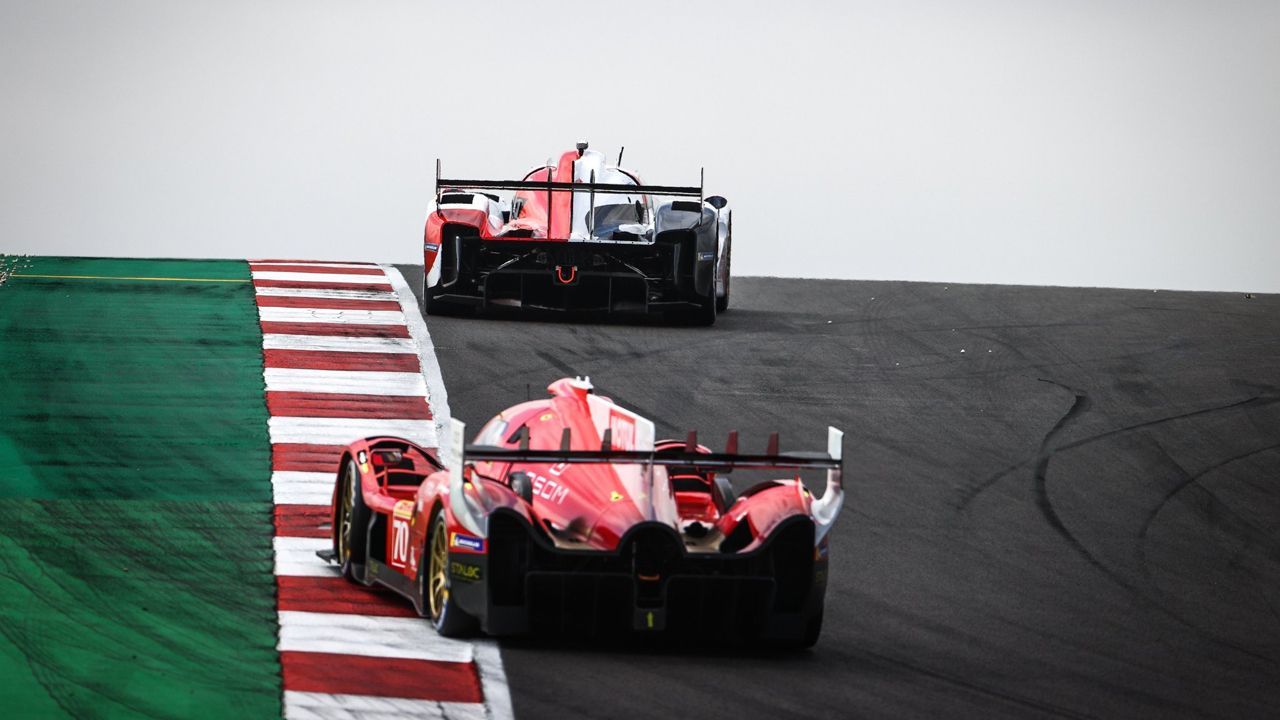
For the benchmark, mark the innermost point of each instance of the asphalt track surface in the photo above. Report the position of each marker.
(1062, 502)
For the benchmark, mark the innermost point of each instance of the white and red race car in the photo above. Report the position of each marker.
(578, 234)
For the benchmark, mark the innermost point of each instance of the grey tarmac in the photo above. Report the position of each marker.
(1062, 502)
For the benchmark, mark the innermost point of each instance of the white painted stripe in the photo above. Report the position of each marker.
(339, 343)
(297, 556)
(293, 487)
(351, 382)
(325, 706)
(331, 315)
(318, 278)
(369, 635)
(258, 264)
(326, 293)
(437, 397)
(493, 679)
(340, 431)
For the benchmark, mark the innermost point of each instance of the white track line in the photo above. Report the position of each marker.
(331, 315)
(493, 679)
(319, 278)
(326, 293)
(437, 397)
(368, 635)
(341, 431)
(258, 265)
(294, 487)
(297, 557)
(338, 343)
(350, 382)
(317, 706)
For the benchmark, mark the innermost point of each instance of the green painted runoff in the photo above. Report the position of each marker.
(135, 507)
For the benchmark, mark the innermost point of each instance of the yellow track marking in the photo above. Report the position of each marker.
(110, 277)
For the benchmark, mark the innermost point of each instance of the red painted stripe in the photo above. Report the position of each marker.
(285, 267)
(314, 521)
(337, 405)
(308, 328)
(338, 595)
(388, 677)
(326, 303)
(326, 360)
(297, 261)
(378, 287)
(306, 458)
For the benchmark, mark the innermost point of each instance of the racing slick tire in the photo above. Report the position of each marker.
(437, 604)
(351, 519)
(722, 303)
(431, 305)
(813, 629)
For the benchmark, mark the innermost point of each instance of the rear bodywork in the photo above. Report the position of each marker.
(576, 234)
(564, 516)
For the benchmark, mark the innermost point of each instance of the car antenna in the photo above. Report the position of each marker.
(438, 193)
(621, 150)
(591, 205)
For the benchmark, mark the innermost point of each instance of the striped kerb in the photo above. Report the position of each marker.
(344, 350)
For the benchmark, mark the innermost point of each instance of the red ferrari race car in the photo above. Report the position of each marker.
(577, 235)
(566, 517)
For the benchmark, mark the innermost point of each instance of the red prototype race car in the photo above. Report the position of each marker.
(578, 234)
(565, 516)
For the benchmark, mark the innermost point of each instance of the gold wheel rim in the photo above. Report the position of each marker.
(344, 515)
(437, 591)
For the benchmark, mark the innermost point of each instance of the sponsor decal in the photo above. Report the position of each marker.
(615, 496)
(431, 247)
(362, 459)
(466, 542)
(549, 489)
(547, 416)
(398, 536)
(464, 571)
(403, 509)
(706, 255)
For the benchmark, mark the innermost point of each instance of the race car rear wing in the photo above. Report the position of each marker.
(550, 185)
(456, 454)
(591, 188)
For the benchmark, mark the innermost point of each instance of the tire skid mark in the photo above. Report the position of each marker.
(1051, 516)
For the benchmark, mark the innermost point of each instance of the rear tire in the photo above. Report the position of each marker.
(722, 303)
(431, 305)
(351, 525)
(813, 630)
(437, 603)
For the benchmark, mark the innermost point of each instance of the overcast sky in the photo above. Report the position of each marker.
(1077, 142)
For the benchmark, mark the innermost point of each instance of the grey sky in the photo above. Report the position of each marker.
(1129, 144)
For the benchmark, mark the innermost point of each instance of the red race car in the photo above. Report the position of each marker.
(578, 234)
(565, 516)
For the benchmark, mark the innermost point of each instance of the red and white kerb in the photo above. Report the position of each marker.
(347, 355)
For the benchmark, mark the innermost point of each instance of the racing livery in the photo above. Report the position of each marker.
(565, 515)
(578, 234)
